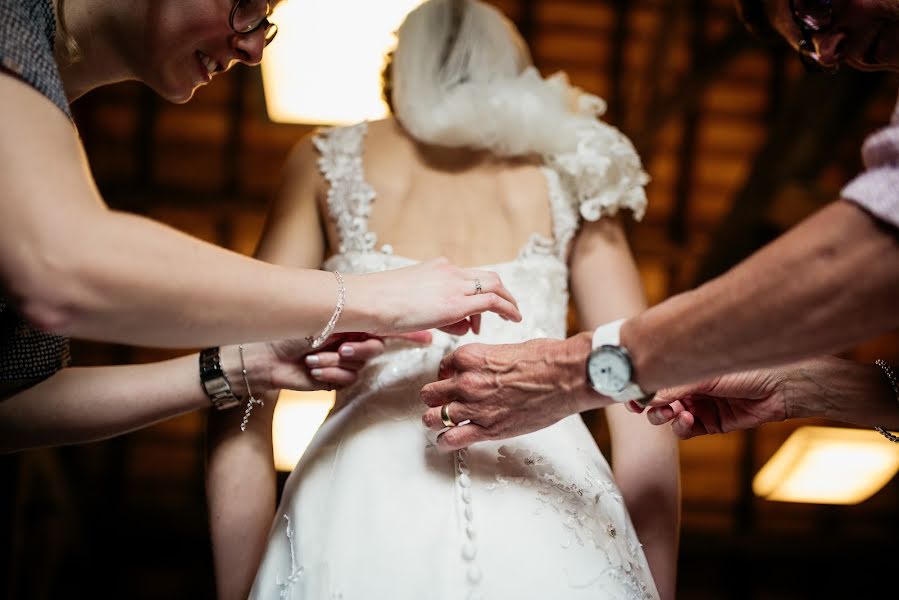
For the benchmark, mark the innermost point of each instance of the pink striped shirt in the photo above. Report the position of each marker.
(877, 189)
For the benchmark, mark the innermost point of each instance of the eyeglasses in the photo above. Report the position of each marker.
(249, 16)
(811, 17)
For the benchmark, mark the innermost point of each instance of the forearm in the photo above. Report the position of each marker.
(830, 282)
(80, 405)
(646, 465)
(841, 390)
(241, 488)
(132, 280)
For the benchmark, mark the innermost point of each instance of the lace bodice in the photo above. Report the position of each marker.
(539, 272)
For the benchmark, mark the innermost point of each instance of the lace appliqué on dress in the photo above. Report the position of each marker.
(349, 195)
(604, 173)
(590, 508)
(296, 571)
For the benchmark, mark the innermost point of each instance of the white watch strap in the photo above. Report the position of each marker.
(631, 392)
(608, 334)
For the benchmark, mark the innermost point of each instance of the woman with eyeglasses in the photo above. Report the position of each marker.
(69, 266)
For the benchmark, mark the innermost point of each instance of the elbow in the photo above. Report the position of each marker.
(48, 290)
(47, 311)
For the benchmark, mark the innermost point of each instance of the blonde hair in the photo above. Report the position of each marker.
(462, 76)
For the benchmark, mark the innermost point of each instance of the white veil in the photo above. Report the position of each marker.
(462, 76)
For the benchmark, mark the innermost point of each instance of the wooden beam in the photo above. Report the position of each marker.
(823, 111)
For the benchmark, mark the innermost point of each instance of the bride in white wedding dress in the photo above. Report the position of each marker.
(488, 164)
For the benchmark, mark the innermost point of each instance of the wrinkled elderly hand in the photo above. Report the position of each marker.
(727, 403)
(497, 392)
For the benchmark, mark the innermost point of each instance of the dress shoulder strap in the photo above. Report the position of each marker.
(349, 195)
(565, 218)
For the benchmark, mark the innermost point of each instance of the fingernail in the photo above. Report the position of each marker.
(317, 373)
(313, 360)
(347, 351)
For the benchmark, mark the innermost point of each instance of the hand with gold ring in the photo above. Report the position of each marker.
(492, 392)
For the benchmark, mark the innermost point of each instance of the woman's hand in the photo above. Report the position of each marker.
(429, 295)
(292, 365)
(723, 404)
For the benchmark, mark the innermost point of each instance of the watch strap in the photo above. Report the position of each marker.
(215, 382)
(608, 334)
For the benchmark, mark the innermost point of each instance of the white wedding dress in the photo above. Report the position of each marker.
(374, 512)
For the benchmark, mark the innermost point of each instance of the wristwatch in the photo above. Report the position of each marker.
(214, 381)
(610, 370)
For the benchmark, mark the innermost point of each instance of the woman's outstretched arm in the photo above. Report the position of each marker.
(73, 266)
(606, 287)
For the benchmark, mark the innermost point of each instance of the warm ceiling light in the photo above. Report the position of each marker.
(297, 417)
(828, 465)
(325, 67)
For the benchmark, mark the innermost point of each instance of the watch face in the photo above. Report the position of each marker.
(609, 370)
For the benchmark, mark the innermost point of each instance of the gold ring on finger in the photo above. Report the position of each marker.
(445, 416)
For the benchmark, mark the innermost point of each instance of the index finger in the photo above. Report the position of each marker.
(447, 366)
(670, 395)
(439, 392)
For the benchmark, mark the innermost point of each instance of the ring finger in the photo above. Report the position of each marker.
(489, 283)
(456, 411)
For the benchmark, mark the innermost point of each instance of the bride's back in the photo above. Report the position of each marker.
(469, 206)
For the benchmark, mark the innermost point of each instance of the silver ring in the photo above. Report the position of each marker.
(478, 288)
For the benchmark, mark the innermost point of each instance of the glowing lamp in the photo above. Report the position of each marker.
(828, 465)
(325, 67)
(297, 417)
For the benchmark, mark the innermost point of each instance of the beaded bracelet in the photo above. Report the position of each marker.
(252, 401)
(341, 301)
(889, 373)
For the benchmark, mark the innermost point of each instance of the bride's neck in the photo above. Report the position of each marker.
(452, 159)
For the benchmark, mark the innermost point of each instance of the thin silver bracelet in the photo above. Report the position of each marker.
(892, 377)
(252, 401)
(341, 301)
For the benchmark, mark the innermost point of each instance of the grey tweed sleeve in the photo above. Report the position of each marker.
(27, 31)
